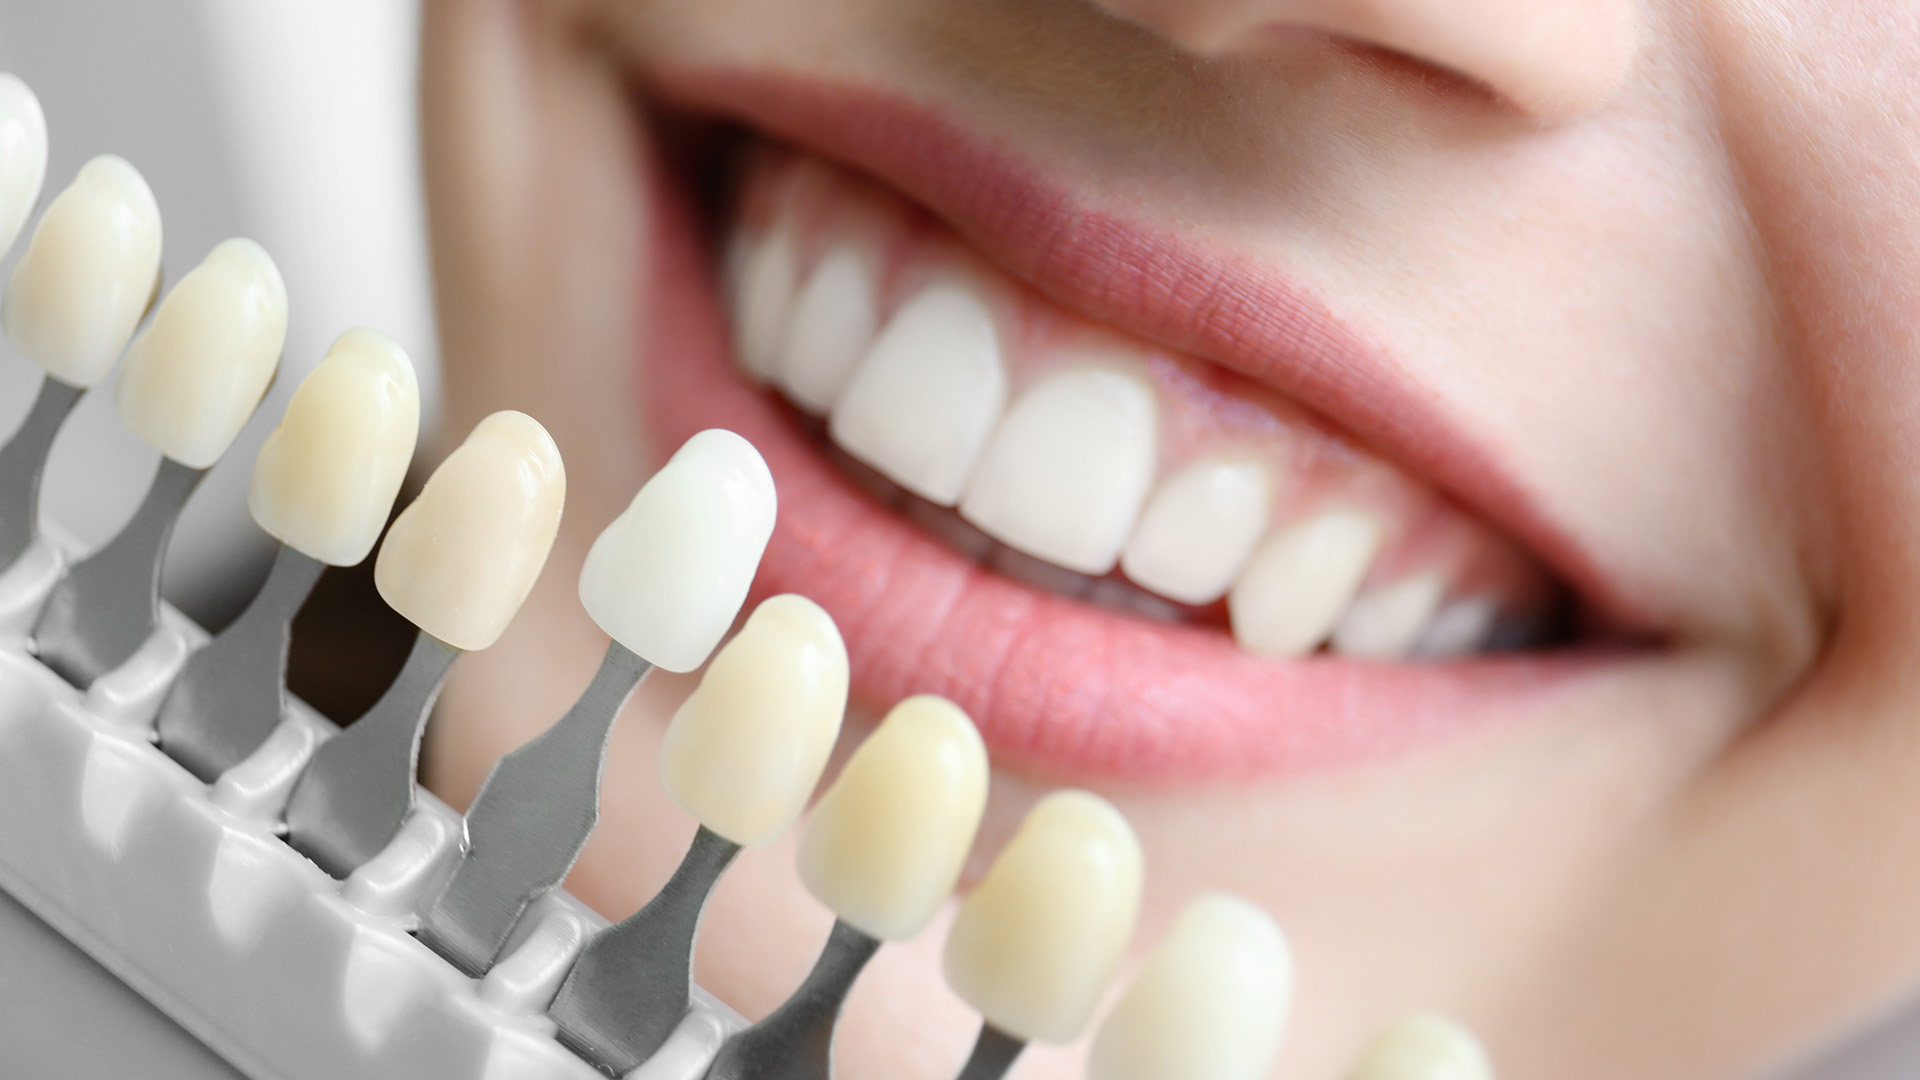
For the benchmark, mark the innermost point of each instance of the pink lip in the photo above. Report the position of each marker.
(1058, 687)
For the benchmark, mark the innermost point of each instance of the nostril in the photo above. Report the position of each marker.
(1554, 60)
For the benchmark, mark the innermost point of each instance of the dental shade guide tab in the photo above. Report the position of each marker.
(528, 823)
(63, 306)
(632, 983)
(108, 605)
(993, 1054)
(189, 383)
(882, 850)
(795, 1041)
(1423, 1046)
(1036, 942)
(23, 460)
(359, 787)
(742, 754)
(230, 698)
(457, 563)
(323, 484)
(664, 579)
(1210, 1003)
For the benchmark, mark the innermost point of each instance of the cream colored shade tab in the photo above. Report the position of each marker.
(667, 578)
(1424, 1046)
(23, 156)
(885, 844)
(1035, 944)
(87, 275)
(459, 560)
(746, 749)
(195, 375)
(325, 480)
(1209, 1004)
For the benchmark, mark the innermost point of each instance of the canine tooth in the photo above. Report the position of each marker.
(195, 375)
(23, 156)
(325, 479)
(1300, 580)
(1424, 1046)
(1065, 473)
(1461, 627)
(885, 844)
(86, 277)
(833, 320)
(767, 276)
(1034, 945)
(461, 558)
(1209, 1004)
(1198, 528)
(1385, 624)
(924, 399)
(745, 750)
(667, 578)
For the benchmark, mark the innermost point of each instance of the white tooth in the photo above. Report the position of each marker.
(1198, 529)
(1209, 1004)
(767, 277)
(1065, 473)
(1424, 1046)
(832, 323)
(1462, 627)
(747, 747)
(23, 156)
(1034, 945)
(667, 578)
(325, 480)
(1385, 624)
(196, 373)
(924, 399)
(87, 275)
(1300, 580)
(459, 560)
(885, 844)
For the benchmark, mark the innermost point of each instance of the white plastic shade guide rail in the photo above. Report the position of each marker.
(186, 892)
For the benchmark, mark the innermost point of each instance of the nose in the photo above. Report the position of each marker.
(1553, 59)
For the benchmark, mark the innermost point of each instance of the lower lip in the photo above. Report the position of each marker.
(1059, 688)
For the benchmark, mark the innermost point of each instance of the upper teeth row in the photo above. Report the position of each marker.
(1067, 472)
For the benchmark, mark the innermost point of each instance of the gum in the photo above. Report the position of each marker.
(187, 894)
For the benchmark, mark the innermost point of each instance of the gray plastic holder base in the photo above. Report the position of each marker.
(185, 892)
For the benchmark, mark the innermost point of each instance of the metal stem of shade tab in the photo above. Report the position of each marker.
(993, 1054)
(23, 460)
(108, 605)
(529, 822)
(631, 985)
(795, 1042)
(233, 690)
(359, 787)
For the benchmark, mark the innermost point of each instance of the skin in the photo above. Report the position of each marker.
(1659, 258)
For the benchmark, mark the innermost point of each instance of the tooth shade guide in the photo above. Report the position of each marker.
(86, 277)
(1423, 1046)
(23, 156)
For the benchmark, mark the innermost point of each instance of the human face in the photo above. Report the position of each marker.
(1614, 300)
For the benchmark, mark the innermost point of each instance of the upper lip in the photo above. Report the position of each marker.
(1153, 283)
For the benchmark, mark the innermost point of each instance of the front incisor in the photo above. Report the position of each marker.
(885, 844)
(195, 375)
(667, 578)
(87, 275)
(746, 749)
(460, 559)
(326, 478)
(1209, 1004)
(1035, 944)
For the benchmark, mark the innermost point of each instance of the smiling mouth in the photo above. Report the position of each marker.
(1122, 558)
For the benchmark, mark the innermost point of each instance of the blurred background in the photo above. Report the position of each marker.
(293, 122)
